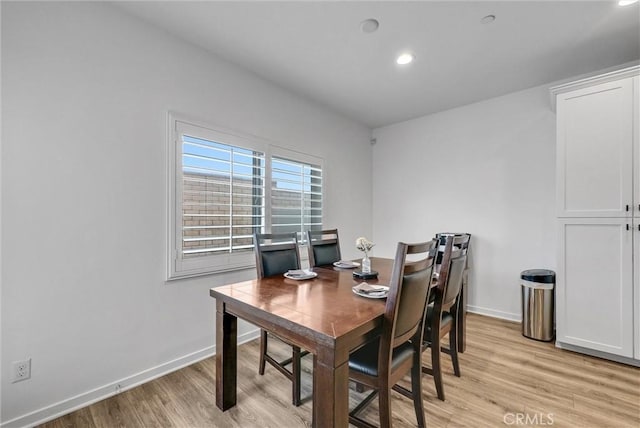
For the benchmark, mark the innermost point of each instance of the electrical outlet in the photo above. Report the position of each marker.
(21, 370)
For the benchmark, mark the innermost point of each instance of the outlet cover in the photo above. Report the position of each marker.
(21, 370)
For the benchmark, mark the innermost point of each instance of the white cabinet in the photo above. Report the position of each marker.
(595, 151)
(598, 209)
(595, 285)
(636, 292)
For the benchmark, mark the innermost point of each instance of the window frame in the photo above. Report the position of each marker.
(178, 267)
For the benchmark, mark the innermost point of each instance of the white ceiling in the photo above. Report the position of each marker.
(317, 49)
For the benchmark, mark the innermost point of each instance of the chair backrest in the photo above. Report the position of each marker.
(464, 241)
(408, 295)
(276, 253)
(323, 246)
(452, 269)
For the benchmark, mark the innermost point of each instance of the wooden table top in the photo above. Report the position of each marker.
(324, 305)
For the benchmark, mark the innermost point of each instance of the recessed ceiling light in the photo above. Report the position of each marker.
(488, 19)
(369, 25)
(404, 59)
(627, 2)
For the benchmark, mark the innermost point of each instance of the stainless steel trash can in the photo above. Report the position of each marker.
(538, 303)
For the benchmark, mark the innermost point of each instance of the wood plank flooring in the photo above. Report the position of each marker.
(507, 380)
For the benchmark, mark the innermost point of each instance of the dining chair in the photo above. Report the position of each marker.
(441, 315)
(275, 255)
(462, 298)
(323, 247)
(381, 363)
(463, 243)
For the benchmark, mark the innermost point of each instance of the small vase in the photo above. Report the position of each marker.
(366, 264)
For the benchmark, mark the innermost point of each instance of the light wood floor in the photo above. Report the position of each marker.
(504, 377)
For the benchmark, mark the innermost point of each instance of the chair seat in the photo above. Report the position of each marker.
(447, 318)
(365, 359)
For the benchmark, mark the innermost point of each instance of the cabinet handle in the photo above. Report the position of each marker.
(627, 207)
(627, 226)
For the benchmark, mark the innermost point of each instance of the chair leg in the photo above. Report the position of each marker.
(384, 405)
(453, 350)
(461, 315)
(263, 351)
(435, 366)
(295, 371)
(416, 388)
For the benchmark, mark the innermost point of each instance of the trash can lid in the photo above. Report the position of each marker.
(544, 276)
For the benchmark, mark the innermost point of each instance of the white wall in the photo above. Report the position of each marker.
(86, 90)
(487, 169)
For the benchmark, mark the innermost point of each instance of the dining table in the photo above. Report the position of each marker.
(321, 315)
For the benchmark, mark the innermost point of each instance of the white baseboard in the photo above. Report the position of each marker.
(69, 405)
(494, 314)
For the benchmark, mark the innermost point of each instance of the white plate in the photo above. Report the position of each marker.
(345, 264)
(307, 275)
(384, 291)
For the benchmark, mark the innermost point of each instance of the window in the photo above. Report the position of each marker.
(296, 197)
(224, 187)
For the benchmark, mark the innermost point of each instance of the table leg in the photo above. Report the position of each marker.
(226, 357)
(330, 390)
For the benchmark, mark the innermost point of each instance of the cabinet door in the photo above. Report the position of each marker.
(595, 151)
(595, 284)
(636, 289)
(636, 220)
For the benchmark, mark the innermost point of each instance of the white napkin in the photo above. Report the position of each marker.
(346, 263)
(299, 272)
(367, 288)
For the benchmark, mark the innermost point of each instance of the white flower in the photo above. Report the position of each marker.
(363, 244)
